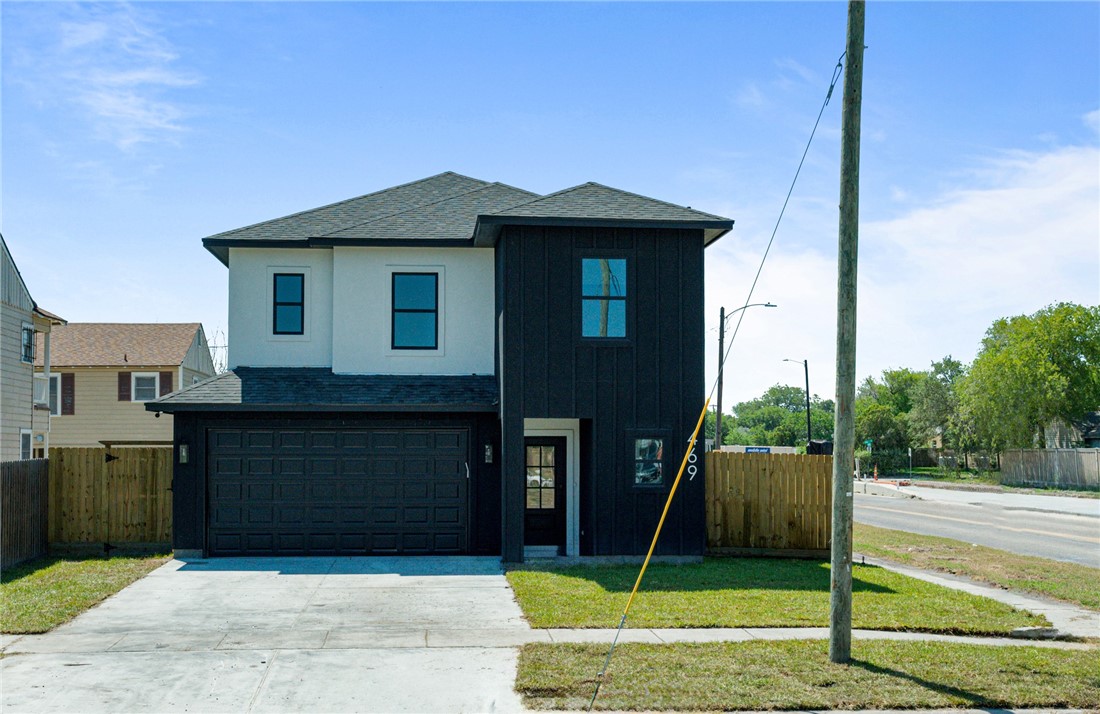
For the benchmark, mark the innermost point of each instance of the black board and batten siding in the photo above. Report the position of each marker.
(650, 383)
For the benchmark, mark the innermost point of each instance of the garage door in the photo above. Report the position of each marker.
(337, 491)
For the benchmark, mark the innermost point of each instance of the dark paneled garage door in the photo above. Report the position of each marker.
(337, 491)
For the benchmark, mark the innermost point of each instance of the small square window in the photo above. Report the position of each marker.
(27, 348)
(603, 297)
(289, 304)
(145, 387)
(649, 469)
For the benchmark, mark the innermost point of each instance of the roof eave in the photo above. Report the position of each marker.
(487, 228)
(219, 247)
(170, 408)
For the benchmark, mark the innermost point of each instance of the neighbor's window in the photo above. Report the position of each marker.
(649, 467)
(289, 304)
(145, 387)
(24, 444)
(415, 311)
(603, 297)
(55, 395)
(27, 352)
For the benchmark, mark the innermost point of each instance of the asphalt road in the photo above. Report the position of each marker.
(1023, 528)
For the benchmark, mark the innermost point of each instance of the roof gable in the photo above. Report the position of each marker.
(104, 344)
(594, 200)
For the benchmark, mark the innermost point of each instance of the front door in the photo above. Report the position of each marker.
(544, 515)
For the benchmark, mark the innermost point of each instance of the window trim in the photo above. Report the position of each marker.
(133, 386)
(51, 393)
(628, 290)
(27, 349)
(394, 310)
(276, 304)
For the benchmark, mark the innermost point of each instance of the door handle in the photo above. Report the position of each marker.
(467, 470)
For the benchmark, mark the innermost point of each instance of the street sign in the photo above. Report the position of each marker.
(758, 449)
(868, 443)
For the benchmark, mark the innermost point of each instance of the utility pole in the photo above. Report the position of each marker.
(718, 408)
(840, 600)
(809, 437)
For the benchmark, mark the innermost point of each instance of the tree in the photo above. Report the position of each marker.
(878, 422)
(778, 418)
(1031, 370)
(711, 420)
(936, 404)
(894, 391)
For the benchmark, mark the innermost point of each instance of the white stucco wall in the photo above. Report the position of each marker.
(251, 342)
(362, 303)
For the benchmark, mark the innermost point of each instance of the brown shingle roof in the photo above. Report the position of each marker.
(106, 344)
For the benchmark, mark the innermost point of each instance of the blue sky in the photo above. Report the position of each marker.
(131, 131)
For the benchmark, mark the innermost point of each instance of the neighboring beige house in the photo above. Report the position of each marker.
(103, 373)
(24, 330)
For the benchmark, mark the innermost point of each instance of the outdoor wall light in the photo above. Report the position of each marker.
(183, 453)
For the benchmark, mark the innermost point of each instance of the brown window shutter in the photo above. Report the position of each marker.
(124, 387)
(68, 393)
(165, 383)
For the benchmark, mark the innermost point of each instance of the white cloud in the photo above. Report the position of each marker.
(1021, 234)
(1092, 120)
(114, 64)
(750, 96)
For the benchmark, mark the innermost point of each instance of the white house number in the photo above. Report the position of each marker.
(692, 468)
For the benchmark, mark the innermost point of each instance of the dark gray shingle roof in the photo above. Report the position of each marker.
(448, 219)
(318, 389)
(453, 209)
(594, 200)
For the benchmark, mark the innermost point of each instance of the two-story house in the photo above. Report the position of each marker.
(451, 366)
(102, 373)
(24, 336)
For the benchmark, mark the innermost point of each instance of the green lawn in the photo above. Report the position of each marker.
(1065, 581)
(40, 595)
(751, 592)
(797, 675)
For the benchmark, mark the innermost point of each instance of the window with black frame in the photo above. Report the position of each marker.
(649, 460)
(289, 304)
(415, 322)
(603, 297)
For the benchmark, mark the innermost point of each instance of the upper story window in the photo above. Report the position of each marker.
(26, 352)
(55, 395)
(146, 387)
(603, 297)
(289, 304)
(415, 323)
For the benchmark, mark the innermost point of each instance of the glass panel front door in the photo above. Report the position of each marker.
(544, 472)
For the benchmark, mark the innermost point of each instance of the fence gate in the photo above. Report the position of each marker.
(119, 496)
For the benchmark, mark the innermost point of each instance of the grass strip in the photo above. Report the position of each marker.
(752, 592)
(1070, 582)
(42, 594)
(797, 674)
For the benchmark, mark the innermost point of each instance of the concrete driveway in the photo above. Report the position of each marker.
(283, 635)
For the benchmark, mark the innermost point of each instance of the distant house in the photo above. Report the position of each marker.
(103, 373)
(24, 422)
(1085, 433)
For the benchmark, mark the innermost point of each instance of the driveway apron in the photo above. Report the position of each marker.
(283, 635)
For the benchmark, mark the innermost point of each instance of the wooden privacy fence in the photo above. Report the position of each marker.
(125, 500)
(768, 503)
(23, 487)
(1063, 468)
